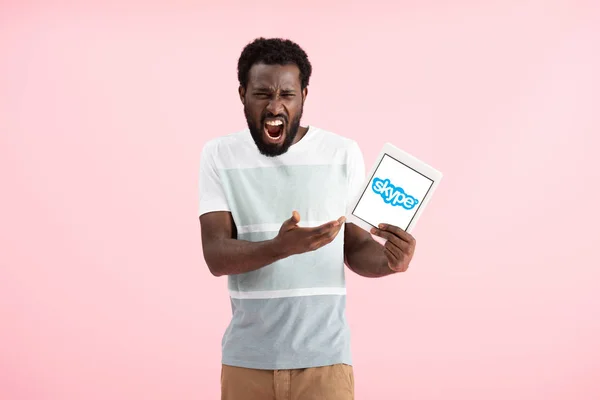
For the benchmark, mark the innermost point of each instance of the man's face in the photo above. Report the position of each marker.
(273, 102)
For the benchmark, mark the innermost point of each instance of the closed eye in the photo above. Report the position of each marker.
(266, 94)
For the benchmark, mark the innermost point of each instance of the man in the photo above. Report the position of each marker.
(272, 201)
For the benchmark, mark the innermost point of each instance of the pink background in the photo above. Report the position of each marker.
(104, 109)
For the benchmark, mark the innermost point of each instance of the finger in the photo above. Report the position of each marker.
(391, 237)
(402, 246)
(393, 262)
(293, 221)
(390, 257)
(295, 217)
(325, 238)
(328, 235)
(325, 228)
(315, 232)
(405, 236)
(392, 248)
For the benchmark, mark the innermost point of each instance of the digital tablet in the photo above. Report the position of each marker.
(395, 192)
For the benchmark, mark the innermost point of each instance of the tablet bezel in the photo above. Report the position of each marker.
(408, 160)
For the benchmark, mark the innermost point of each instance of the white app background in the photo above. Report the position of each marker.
(373, 209)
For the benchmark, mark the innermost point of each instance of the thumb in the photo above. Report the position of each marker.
(295, 217)
(290, 223)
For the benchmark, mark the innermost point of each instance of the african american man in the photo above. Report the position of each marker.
(272, 204)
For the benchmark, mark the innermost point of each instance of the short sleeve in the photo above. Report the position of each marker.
(356, 172)
(212, 196)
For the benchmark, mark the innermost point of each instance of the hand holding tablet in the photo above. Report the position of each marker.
(396, 191)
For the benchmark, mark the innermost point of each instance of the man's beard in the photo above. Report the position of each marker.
(269, 149)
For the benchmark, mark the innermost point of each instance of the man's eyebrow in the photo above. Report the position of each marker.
(270, 89)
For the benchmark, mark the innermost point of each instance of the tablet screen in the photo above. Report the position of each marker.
(393, 195)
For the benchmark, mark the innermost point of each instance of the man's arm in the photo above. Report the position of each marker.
(368, 258)
(364, 255)
(226, 255)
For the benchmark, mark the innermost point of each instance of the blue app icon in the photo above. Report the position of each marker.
(393, 195)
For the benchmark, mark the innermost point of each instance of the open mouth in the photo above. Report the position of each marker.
(274, 130)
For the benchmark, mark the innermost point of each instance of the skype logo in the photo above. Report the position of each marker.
(394, 195)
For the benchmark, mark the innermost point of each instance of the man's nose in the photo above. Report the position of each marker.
(275, 106)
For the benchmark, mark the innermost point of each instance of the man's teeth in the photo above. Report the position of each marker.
(274, 123)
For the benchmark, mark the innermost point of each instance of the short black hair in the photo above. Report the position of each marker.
(275, 51)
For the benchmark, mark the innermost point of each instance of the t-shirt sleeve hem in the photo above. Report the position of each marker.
(212, 207)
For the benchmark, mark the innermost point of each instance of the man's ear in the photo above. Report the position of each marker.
(242, 93)
(304, 94)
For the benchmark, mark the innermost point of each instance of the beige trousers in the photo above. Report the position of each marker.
(333, 382)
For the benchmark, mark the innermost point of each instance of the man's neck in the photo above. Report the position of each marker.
(301, 133)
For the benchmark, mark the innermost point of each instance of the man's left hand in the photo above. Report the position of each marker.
(399, 246)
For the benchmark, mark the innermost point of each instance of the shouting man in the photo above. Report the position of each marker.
(272, 204)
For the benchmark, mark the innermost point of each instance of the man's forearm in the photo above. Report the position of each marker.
(369, 260)
(233, 256)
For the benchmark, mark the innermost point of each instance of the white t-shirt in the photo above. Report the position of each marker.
(289, 314)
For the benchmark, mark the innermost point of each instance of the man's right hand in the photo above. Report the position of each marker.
(293, 239)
